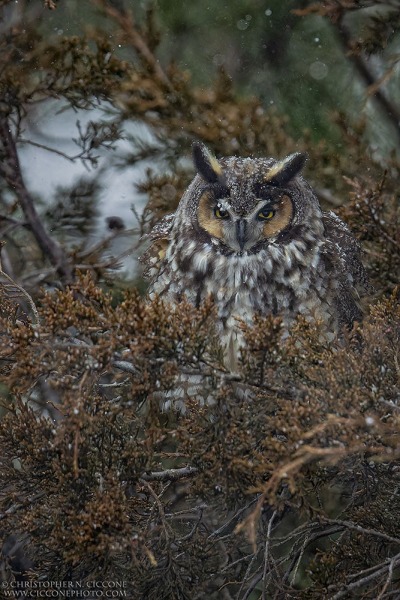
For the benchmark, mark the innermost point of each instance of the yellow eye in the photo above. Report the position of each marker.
(221, 213)
(265, 214)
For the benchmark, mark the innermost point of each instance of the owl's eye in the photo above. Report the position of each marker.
(221, 213)
(265, 214)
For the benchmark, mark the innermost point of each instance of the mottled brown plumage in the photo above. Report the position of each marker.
(251, 233)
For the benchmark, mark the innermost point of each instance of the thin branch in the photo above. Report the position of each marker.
(124, 365)
(266, 553)
(12, 221)
(382, 229)
(83, 156)
(388, 579)
(299, 558)
(115, 384)
(233, 521)
(15, 507)
(236, 562)
(170, 474)
(246, 577)
(10, 288)
(189, 536)
(127, 24)
(390, 564)
(354, 527)
(252, 586)
(10, 169)
(298, 553)
(160, 508)
(49, 149)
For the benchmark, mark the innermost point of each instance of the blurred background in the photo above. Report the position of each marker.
(107, 96)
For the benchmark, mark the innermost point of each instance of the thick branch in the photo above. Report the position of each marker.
(10, 169)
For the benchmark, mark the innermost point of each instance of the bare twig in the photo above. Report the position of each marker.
(382, 229)
(15, 222)
(300, 556)
(388, 579)
(10, 288)
(114, 384)
(386, 566)
(247, 574)
(170, 474)
(233, 521)
(309, 539)
(15, 507)
(160, 508)
(266, 554)
(124, 365)
(359, 529)
(191, 533)
(236, 562)
(53, 150)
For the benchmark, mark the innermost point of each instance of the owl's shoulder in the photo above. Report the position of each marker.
(162, 229)
(159, 237)
(337, 231)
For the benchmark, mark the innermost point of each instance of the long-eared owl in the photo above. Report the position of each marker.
(250, 233)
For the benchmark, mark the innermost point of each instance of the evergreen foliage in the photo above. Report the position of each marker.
(286, 483)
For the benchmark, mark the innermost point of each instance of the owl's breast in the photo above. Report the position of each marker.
(279, 280)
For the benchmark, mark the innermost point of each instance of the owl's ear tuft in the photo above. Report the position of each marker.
(206, 164)
(284, 170)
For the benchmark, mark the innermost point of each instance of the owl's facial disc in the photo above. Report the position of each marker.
(244, 233)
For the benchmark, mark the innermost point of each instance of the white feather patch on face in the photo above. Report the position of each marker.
(223, 204)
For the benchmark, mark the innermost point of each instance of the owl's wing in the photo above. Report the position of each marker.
(344, 253)
(347, 248)
(160, 237)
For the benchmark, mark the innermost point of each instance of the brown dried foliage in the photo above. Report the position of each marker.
(86, 432)
(280, 483)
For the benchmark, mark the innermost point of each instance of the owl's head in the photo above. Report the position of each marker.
(243, 204)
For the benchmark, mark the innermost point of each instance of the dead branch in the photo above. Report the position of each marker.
(26, 503)
(15, 292)
(233, 521)
(10, 170)
(170, 474)
(266, 554)
(359, 529)
(387, 566)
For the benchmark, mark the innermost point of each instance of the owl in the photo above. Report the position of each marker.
(250, 233)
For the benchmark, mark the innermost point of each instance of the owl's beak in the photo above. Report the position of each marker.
(241, 232)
